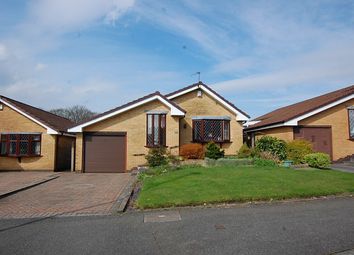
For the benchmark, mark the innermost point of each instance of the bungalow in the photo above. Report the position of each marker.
(33, 139)
(327, 121)
(119, 139)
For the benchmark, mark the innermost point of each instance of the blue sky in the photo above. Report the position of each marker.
(102, 53)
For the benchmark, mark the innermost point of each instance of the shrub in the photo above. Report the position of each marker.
(213, 151)
(267, 155)
(318, 160)
(157, 157)
(192, 151)
(264, 162)
(244, 151)
(255, 152)
(296, 150)
(272, 144)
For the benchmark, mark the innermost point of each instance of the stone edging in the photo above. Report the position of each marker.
(122, 201)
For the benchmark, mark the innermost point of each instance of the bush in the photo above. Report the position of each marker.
(255, 152)
(272, 144)
(213, 151)
(192, 151)
(318, 160)
(267, 155)
(244, 151)
(157, 157)
(264, 162)
(296, 150)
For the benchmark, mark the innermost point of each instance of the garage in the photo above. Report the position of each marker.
(320, 137)
(105, 152)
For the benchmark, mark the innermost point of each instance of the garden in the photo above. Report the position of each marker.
(272, 170)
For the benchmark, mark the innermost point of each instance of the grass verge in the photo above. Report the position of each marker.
(199, 185)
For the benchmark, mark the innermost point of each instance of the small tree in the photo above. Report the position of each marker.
(213, 151)
(157, 157)
(76, 113)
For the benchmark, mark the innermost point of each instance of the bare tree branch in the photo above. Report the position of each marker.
(76, 113)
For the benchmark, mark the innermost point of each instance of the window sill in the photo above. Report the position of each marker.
(212, 141)
(20, 156)
(156, 146)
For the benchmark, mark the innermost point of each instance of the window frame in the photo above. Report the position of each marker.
(203, 121)
(31, 142)
(161, 130)
(349, 127)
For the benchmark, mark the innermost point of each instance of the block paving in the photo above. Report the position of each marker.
(70, 194)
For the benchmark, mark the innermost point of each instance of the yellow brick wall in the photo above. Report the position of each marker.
(11, 121)
(207, 106)
(78, 152)
(134, 123)
(284, 133)
(337, 117)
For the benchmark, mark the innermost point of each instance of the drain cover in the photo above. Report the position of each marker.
(166, 216)
(219, 226)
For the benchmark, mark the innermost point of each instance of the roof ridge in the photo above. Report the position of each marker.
(310, 99)
(48, 119)
(296, 110)
(199, 83)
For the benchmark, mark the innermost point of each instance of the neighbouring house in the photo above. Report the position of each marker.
(327, 121)
(33, 139)
(118, 140)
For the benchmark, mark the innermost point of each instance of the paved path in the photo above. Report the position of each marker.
(343, 167)
(13, 181)
(70, 194)
(312, 227)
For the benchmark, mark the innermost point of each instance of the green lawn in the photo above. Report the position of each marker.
(198, 185)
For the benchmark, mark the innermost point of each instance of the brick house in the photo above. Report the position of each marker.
(119, 139)
(327, 121)
(33, 139)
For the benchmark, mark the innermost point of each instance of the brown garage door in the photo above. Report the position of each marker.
(105, 152)
(320, 137)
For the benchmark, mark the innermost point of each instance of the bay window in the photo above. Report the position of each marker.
(211, 129)
(351, 122)
(20, 144)
(156, 130)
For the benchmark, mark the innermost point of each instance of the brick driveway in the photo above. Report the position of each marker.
(11, 181)
(70, 194)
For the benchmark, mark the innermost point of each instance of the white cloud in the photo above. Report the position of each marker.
(3, 52)
(68, 15)
(40, 66)
(330, 64)
(42, 30)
